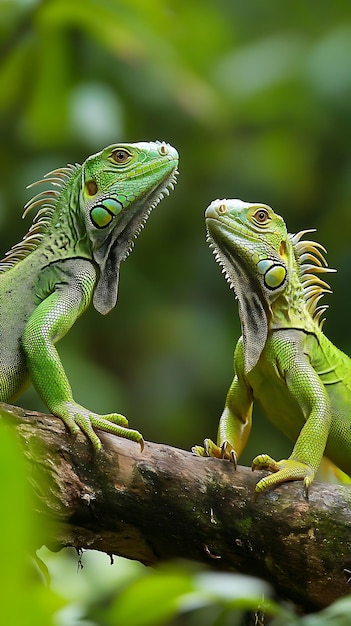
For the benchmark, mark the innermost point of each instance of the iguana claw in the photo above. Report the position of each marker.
(229, 453)
(224, 451)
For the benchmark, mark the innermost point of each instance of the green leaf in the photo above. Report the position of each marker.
(151, 599)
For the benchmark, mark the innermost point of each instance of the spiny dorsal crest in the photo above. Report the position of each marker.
(46, 201)
(311, 260)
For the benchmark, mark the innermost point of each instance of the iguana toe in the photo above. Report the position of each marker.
(208, 449)
(77, 418)
(224, 451)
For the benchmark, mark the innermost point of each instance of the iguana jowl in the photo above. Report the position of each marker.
(283, 359)
(84, 228)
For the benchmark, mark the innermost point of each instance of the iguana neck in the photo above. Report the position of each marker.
(57, 231)
(66, 236)
(290, 310)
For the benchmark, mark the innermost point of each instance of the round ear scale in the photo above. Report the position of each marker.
(274, 274)
(103, 214)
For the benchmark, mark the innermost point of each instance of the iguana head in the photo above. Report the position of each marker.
(119, 188)
(269, 269)
(97, 209)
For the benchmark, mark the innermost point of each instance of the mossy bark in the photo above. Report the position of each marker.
(165, 503)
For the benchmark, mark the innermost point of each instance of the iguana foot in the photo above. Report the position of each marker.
(224, 451)
(284, 471)
(77, 418)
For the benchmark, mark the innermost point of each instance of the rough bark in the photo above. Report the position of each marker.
(164, 503)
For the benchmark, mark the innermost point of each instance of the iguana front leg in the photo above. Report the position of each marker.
(309, 392)
(49, 322)
(235, 422)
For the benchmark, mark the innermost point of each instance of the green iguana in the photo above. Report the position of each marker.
(283, 359)
(84, 228)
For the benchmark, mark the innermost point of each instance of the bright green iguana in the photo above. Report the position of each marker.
(71, 255)
(283, 359)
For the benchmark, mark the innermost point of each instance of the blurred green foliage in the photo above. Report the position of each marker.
(256, 97)
(23, 597)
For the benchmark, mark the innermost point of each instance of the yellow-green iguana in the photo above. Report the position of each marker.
(283, 359)
(85, 227)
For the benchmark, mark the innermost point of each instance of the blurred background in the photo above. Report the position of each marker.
(256, 98)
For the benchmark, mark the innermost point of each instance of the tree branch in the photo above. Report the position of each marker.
(166, 503)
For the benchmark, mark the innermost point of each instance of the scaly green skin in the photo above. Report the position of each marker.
(71, 255)
(283, 359)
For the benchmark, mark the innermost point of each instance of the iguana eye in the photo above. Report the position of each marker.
(261, 216)
(120, 156)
